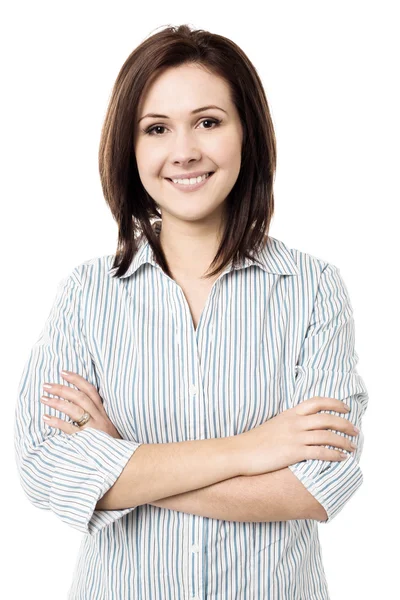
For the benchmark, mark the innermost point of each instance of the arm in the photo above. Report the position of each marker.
(163, 470)
(66, 474)
(326, 367)
(243, 499)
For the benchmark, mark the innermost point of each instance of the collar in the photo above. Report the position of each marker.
(274, 258)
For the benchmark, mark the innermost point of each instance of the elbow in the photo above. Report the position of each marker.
(35, 493)
(36, 470)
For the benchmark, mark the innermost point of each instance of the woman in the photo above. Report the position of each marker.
(187, 442)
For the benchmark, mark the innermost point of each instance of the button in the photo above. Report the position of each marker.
(195, 548)
(193, 389)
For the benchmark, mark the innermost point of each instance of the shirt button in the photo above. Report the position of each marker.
(195, 548)
(193, 389)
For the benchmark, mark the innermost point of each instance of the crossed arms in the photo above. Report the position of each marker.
(274, 496)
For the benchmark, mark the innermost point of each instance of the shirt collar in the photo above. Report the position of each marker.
(274, 258)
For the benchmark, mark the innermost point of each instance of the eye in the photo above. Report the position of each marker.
(150, 130)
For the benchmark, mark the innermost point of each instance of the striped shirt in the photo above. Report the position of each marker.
(269, 337)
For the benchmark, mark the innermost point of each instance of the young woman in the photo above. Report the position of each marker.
(197, 440)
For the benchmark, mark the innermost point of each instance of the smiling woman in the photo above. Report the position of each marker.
(197, 110)
(178, 155)
(200, 330)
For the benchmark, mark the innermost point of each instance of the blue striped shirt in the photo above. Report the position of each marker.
(269, 336)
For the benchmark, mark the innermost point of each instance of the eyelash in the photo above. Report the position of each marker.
(149, 130)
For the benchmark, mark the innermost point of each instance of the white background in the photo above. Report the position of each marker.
(331, 78)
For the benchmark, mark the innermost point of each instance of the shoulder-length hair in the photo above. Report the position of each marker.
(250, 203)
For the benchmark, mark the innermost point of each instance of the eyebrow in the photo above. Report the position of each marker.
(196, 110)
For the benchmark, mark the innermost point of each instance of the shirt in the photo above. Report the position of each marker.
(270, 336)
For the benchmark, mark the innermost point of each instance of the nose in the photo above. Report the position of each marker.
(185, 148)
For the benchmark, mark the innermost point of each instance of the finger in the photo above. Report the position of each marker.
(69, 408)
(318, 403)
(80, 382)
(78, 397)
(321, 421)
(62, 425)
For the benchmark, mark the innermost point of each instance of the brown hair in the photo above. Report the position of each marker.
(250, 203)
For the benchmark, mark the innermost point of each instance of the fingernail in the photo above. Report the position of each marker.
(65, 373)
(347, 407)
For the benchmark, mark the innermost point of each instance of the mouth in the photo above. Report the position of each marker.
(191, 187)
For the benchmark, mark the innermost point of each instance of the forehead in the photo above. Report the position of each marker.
(184, 88)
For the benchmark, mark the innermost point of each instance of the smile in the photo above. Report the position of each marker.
(191, 187)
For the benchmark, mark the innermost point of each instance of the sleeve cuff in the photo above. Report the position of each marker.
(333, 487)
(77, 485)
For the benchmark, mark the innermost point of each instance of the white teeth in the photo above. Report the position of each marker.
(192, 180)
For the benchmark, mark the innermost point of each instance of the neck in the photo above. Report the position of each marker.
(189, 248)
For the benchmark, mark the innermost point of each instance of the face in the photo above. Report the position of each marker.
(182, 142)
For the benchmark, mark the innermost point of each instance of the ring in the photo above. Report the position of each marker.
(83, 420)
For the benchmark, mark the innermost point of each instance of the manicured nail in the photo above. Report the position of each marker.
(47, 386)
(65, 373)
(46, 418)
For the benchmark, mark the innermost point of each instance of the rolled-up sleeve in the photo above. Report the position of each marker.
(327, 367)
(65, 473)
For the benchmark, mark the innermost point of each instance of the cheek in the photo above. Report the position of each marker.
(232, 161)
(149, 164)
(227, 149)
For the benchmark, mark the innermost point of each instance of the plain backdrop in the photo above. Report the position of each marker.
(330, 72)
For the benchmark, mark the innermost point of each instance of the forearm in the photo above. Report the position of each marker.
(275, 496)
(157, 471)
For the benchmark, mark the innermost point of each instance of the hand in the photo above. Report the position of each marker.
(294, 435)
(75, 402)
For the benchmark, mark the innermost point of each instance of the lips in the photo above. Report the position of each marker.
(191, 187)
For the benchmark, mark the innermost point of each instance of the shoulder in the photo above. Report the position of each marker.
(306, 264)
(94, 271)
(318, 281)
